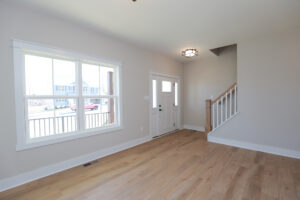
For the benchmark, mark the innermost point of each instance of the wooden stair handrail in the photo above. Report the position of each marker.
(219, 97)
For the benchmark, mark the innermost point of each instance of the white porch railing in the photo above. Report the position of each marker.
(95, 120)
(40, 127)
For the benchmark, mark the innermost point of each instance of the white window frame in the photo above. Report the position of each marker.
(19, 50)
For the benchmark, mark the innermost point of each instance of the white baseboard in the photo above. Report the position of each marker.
(255, 147)
(196, 128)
(27, 177)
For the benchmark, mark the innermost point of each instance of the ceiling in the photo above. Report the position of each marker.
(170, 26)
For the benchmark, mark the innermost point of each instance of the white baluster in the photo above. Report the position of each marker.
(217, 113)
(213, 116)
(49, 126)
(97, 120)
(222, 110)
(57, 125)
(90, 121)
(40, 130)
(230, 103)
(44, 123)
(34, 128)
(93, 120)
(235, 106)
(72, 124)
(226, 106)
(75, 123)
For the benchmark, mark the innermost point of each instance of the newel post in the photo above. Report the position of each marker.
(208, 126)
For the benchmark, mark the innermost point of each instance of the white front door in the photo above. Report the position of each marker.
(164, 105)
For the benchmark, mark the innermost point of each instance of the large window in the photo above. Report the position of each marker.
(61, 96)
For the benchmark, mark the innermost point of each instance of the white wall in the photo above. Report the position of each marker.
(269, 93)
(34, 26)
(208, 77)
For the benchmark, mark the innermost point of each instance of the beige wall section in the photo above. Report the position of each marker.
(207, 77)
(269, 94)
(30, 25)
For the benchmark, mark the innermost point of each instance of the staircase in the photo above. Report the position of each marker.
(221, 109)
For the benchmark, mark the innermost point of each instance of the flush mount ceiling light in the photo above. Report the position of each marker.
(189, 53)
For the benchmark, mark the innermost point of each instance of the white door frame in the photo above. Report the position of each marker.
(177, 78)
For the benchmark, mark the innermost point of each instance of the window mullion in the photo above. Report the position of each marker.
(27, 135)
(53, 99)
(118, 109)
(80, 110)
(99, 72)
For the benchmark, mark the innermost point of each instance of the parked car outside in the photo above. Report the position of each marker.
(87, 107)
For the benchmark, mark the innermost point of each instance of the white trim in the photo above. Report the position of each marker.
(192, 127)
(255, 147)
(26, 177)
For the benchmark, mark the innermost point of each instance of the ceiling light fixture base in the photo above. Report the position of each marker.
(188, 53)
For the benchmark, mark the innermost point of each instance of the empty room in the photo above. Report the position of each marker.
(149, 100)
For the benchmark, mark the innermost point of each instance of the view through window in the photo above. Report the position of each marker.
(66, 96)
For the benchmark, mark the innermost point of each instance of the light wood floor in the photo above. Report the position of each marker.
(177, 166)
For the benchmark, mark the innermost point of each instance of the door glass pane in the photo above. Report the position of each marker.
(176, 94)
(106, 81)
(65, 115)
(154, 94)
(38, 75)
(90, 79)
(40, 117)
(64, 77)
(166, 86)
(99, 112)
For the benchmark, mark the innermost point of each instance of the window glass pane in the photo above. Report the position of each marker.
(154, 94)
(65, 115)
(166, 86)
(176, 94)
(90, 79)
(38, 75)
(40, 117)
(106, 81)
(64, 77)
(99, 112)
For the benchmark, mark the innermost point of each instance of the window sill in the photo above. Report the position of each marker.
(68, 137)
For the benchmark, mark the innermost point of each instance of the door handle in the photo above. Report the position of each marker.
(160, 109)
